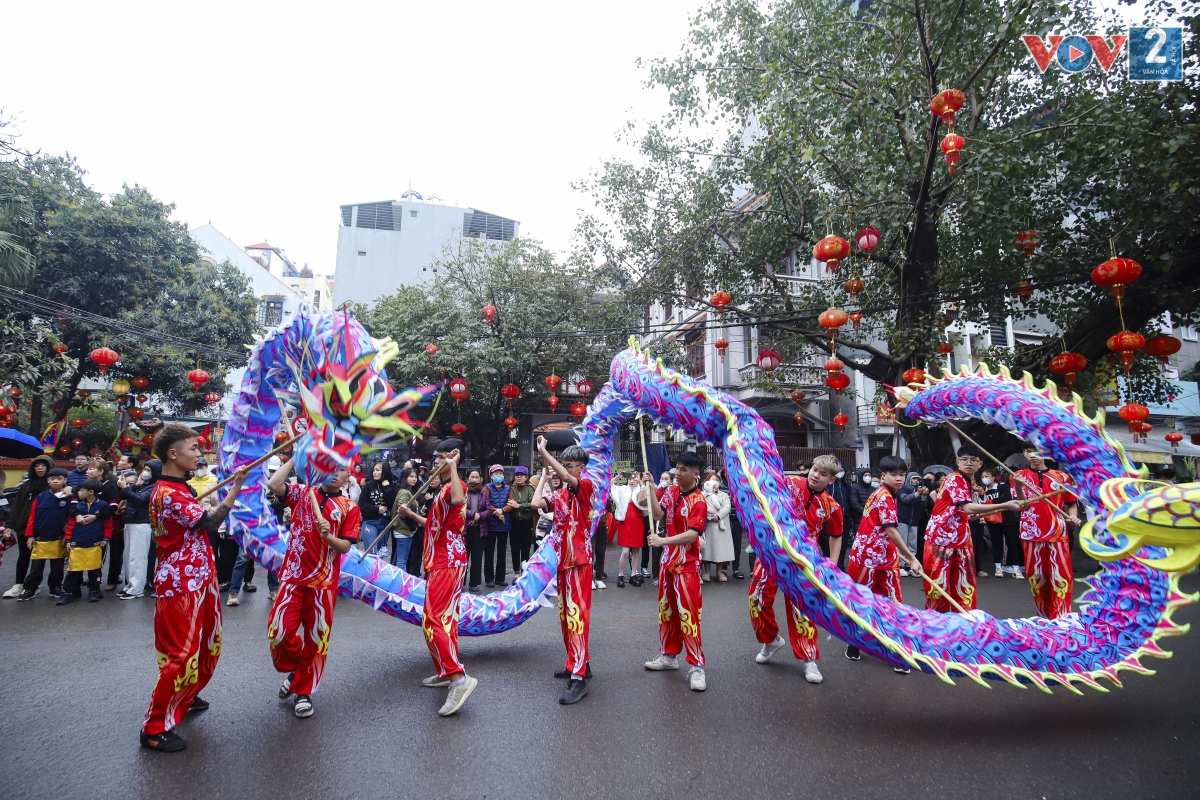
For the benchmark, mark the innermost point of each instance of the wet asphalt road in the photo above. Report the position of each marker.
(76, 681)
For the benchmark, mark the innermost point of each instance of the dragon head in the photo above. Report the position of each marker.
(1146, 513)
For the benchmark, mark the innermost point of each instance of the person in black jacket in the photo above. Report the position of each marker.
(18, 515)
(374, 500)
(138, 540)
(860, 492)
(1007, 553)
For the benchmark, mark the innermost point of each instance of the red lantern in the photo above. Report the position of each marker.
(952, 144)
(141, 398)
(945, 348)
(1125, 343)
(135, 413)
(1023, 291)
(867, 239)
(854, 287)
(1116, 273)
(511, 422)
(945, 104)
(17, 391)
(59, 348)
(459, 391)
(1133, 413)
(841, 420)
(8, 422)
(722, 345)
(148, 439)
(84, 394)
(1067, 364)
(720, 300)
(769, 360)
(1161, 347)
(126, 441)
(584, 387)
(458, 429)
(798, 396)
(856, 317)
(104, 358)
(831, 250)
(578, 409)
(914, 375)
(834, 364)
(281, 437)
(77, 443)
(198, 377)
(1196, 438)
(1142, 428)
(5, 410)
(489, 311)
(553, 401)
(837, 381)
(79, 423)
(431, 349)
(799, 419)
(553, 382)
(212, 398)
(64, 449)
(1026, 242)
(510, 392)
(831, 319)
(140, 382)
(1174, 437)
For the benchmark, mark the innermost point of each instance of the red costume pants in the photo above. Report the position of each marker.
(187, 642)
(575, 614)
(298, 629)
(679, 607)
(801, 630)
(1051, 576)
(884, 582)
(443, 588)
(952, 568)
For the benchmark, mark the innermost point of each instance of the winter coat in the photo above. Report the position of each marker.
(479, 503)
(909, 504)
(92, 533)
(22, 503)
(373, 495)
(498, 498)
(838, 491)
(76, 477)
(48, 517)
(860, 493)
(137, 498)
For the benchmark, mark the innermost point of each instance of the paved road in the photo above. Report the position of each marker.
(76, 681)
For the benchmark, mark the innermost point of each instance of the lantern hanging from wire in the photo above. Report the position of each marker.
(867, 240)
(952, 145)
(104, 358)
(120, 387)
(946, 104)
(459, 391)
(1068, 364)
(458, 429)
(837, 381)
(1163, 347)
(1133, 413)
(856, 318)
(431, 349)
(1116, 273)
(799, 419)
(136, 413)
(510, 392)
(578, 409)
(945, 348)
(854, 287)
(832, 319)
(832, 250)
(489, 312)
(553, 382)
(511, 423)
(1022, 292)
(720, 300)
(584, 387)
(17, 391)
(198, 377)
(798, 396)
(841, 420)
(553, 401)
(1026, 242)
(212, 398)
(834, 364)
(140, 382)
(59, 348)
(722, 345)
(1126, 343)
(769, 359)
(84, 394)
(914, 375)
(1174, 437)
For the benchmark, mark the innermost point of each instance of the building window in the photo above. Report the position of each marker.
(347, 215)
(317, 298)
(378, 216)
(694, 344)
(1188, 333)
(270, 313)
(481, 225)
(412, 213)
(362, 252)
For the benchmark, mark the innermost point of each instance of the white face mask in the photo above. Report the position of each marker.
(840, 475)
(988, 481)
(866, 478)
(201, 470)
(146, 475)
(664, 483)
(711, 487)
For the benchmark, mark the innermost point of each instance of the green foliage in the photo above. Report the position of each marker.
(541, 304)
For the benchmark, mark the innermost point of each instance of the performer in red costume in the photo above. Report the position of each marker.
(874, 558)
(301, 618)
(187, 608)
(1044, 533)
(573, 542)
(679, 602)
(445, 566)
(821, 513)
(949, 554)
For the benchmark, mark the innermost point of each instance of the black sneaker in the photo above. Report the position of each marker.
(489, 584)
(28, 594)
(901, 670)
(302, 707)
(566, 673)
(576, 691)
(502, 583)
(166, 742)
(285, 691)
(620, 581)
(473, 590)
(95, 595)
(249, 587)
(198, 704)
(853, 654)
(64, 598)
(637, 580)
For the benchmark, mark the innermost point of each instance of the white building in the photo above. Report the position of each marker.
(385, 245)
(316, 289)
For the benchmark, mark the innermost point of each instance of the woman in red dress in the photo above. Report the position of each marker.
(630, 506)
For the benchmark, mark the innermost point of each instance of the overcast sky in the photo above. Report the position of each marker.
(263, 117)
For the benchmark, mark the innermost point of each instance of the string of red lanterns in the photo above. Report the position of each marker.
(946, 104)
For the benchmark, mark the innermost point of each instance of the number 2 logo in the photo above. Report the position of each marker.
(1155, 55)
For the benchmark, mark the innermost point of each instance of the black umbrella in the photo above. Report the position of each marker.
(14, 444)
(561, 438)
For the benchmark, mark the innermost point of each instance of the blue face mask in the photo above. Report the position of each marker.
(497, 479)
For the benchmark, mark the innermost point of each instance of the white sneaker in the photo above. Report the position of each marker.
(435, 682)
(999, 572)
(458, 694)
(600, 585)
(646, 572)
(15, 591)
(811, 673)
(233, 599)
(903, 572)
(696, 680)
(769, 649)
(1019, 575)
(663, 662)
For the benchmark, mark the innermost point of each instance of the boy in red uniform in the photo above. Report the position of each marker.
(822, 514)
(187, 605)
(301, 618)
(679, 601)
(874, 558)
(445, 565)
(949, 554)
(572, 506)
(1044, 534)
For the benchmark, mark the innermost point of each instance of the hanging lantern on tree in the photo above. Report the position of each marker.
(834, 364)
(584, 387)
(1126, 343)
(1068, 364)
(1144, 428)
(104, 358)
(945, 348)
(832, 250)
(854, 287)
(84, 394)
(198, 377)
(553, 382)
(914, 375)
(489, 311)
(459, 391)
(856, 317)
(798, 396)
(140, 382)
(458, 429)
(17, 391)
(1115, 273)
(126, 441)
(212, 398)
(1163, 347)
(946, 104)
(578, 409)
(837, 381)
(5, 410)
(832, 319)
(722, 345)
(1133, 413)
(79, 423)
(553, 401)
(511, 423)
(720, 300)
(799, 419)
(136, 413)
(281, 437)
(1026, 242)
(952, 145)
(59, 348)
(1022, 292)
(510, 392)
(431, 349)
(841, 420)
(8, 422)
(64, 449)
(141, 398)
(768, 359)
(867, 240)
(1174, 437)
(120, 387)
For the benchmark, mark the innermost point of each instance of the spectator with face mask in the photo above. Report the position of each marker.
(498, 526)
(718, 539)
(136, 496)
